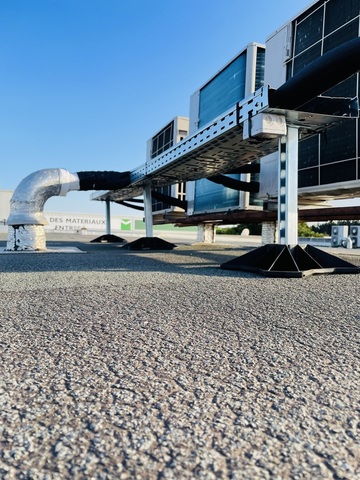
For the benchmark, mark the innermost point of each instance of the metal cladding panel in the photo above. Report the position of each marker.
(269, 176)
(194, 112)
(278, 48)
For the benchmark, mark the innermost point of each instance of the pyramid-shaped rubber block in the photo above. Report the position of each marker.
(108, 239)
(149, 243)
(282, 261)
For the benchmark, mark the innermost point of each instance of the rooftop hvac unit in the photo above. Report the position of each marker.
(338, 233)
(174, 132)
(355, 235)
(240, 77)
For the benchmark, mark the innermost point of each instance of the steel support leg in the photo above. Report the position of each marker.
(148, 211)
(288, 187)
(108, 217)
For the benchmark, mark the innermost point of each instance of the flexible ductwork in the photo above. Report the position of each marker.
(323, 73)
(26, 220)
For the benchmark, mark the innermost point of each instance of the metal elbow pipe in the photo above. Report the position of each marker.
(28, 200)
(26, 220)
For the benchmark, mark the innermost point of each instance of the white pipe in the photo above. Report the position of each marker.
(26, 220)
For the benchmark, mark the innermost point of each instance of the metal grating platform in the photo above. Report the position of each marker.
(220, 146)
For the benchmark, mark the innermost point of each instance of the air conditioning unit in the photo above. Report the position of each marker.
(355, 235)
(338, 233)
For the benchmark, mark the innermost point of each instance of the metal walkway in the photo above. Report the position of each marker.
(221, 146)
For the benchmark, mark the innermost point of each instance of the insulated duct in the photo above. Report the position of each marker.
(323, 73)
(26, 220)
(234, 184)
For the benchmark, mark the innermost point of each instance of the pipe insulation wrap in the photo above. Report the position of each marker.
(26, 238)
(27, 202)
(323, 73)
(103, 180)
(68, 182)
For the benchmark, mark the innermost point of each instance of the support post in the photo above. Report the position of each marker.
(206, 232)
(268, 233)
(148, 210)
(288, 187)
(108, 217)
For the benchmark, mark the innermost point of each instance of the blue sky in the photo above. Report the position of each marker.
(85, 83)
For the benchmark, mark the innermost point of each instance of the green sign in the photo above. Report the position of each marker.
(125, 224)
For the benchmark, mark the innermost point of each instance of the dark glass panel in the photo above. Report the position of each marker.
(163, 140)
(338, 172)
(260, 68)
(339, 12)
(158, 205)
(154, 147)
(309, 152)
(289, 70)
(343, 35)
(167, 136)
(307, 57)
(309, 31)
(160, 140)
(347, 88)
(311, 9)
(308, 177)
(338, 143)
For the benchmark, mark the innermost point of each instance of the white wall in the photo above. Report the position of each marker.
(5, 196)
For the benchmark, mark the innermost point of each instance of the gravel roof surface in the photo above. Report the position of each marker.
(118, 364)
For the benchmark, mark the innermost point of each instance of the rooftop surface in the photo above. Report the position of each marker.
(159, 364)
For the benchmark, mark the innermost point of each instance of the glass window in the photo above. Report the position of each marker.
(163, 140)
(309, 152)
(339, 12)
(338, 143)
(260, 68)
(306, 57)
(343, 35)
(158, 205)
(347, 88)
(338, 172)
(308, 177)
(223, 91)
(309, 31)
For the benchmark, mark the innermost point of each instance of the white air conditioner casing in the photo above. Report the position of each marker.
(338, 233)
(355, 235)
(178, 129)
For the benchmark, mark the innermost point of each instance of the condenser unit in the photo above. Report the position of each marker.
(338, 234)
(238, 79)
(174, 132)
(355, 235)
